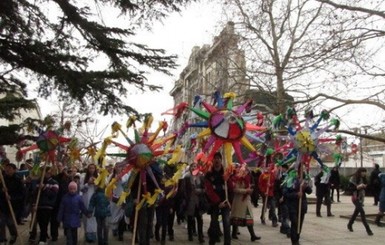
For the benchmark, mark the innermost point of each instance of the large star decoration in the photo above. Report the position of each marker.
(139, 158)
(307, 140)
(224, 127)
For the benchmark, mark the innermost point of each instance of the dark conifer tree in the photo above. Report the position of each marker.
(54, 44)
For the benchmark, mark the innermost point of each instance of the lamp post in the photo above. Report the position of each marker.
(361, 154)
(360, 131)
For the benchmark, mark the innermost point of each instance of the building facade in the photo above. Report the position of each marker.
(10, 150)
(217, 67)
(220, 66)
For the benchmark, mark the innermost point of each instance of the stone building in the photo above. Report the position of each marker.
(220, 66)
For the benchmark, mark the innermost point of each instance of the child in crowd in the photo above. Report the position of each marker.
(100, 206)
(69, 213)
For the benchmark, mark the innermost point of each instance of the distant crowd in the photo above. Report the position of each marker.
(68, 197)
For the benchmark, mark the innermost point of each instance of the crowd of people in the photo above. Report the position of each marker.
(68, 197)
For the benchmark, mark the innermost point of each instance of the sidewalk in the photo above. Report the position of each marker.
(325, 230)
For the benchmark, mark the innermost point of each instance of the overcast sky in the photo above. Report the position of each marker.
(178, 34)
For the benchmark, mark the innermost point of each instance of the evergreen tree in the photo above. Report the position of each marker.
(54, 45)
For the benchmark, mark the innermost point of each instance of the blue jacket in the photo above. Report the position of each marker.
(71, 207)
(382, 193)
(99, 204)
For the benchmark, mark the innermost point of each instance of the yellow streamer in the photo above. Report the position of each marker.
(100, 181)
(174, 180)
(131, 121)
(147, 122)
(176, 177)
(122, 198)
(110, 188)
(176, 155)
(151, 201)
(145, 197)
(102, 151)
(247, 144)
(204, 133)
(228, 153)
(230, 95)
(152, 138)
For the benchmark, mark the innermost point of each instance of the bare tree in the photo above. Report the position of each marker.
(310, 50)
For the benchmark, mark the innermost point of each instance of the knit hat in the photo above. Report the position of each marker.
(73, 185)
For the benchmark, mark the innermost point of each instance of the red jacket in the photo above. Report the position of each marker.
(265, 183)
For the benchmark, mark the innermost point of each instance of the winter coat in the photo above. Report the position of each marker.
(322, 185)
(290, 194)
(63, 181)
(241, 208)
(194, 194)
(334, 179)
(15, 190)
(99, 205)
(48, 193)
(374, 181)
(70, 209)
(357, 194)
(382, 193)
(215, 187)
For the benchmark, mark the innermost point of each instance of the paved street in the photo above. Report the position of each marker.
(325, 230)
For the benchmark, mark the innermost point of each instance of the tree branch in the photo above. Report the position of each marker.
(346, 101)
(353, 8)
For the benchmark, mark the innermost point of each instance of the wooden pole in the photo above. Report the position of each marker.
(33, 219)
(227, 196)
(300, 199)
(137, 210)
(226, 187)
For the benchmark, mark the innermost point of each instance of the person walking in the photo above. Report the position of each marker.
(215, 188)
(196, 201)
(256, 194)
(295, 190)
(335, 183)
(358, 184)
(164, 211)
(87, 188)
(117, 221)
(100, 207)
(46, 204)
(374, 183)
(321, 182)
(282, 207)
(266, 186)
(145, 218)
(15, 194)
(70, 209)
(63, 179)
(381, 201)
(241, 208)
